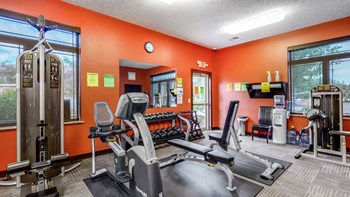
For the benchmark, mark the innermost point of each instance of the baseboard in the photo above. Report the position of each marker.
(216, 128)
(72, 159)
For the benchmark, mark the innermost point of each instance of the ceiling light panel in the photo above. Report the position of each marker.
(267, 18)
(168, 1)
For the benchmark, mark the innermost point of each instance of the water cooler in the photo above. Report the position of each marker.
(279, 120)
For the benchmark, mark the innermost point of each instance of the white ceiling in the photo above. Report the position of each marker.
(202, 21)
(135, 64)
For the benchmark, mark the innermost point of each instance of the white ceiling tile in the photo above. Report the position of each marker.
(202, 21)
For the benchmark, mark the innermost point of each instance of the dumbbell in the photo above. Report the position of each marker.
(194, 133)
(160, 133)
(160, 116)
(164, 133)
(174, 115)
(171, 115)
(150, 116)
(168, 115)
(154, 116)
(155, 136)
(146, 117)
(172, 132)
(199, 132)
(177, 131)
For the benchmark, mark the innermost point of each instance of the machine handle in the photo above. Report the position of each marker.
(342, 133)
(59, 157)
(41, 24)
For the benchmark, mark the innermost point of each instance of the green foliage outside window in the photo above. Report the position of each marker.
(8, 105)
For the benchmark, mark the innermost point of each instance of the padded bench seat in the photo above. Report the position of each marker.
(220, 156)
(196, 148)
(210, 154)
(215, 136)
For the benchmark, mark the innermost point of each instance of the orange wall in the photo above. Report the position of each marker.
(105, 40)
(249, 62)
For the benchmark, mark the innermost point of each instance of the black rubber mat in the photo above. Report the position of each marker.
(252, 169)
(187, 178)
(193, 179)
(104, 187)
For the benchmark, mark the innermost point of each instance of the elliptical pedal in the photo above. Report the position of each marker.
(123, 177)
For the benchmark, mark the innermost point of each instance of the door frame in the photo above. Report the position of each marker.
(210, 91)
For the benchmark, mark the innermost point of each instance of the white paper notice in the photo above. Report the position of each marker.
(179, 99)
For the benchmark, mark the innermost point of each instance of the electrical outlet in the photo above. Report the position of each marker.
(189, 100)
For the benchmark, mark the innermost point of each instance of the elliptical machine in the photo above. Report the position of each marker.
(40, 127)
(142, 175)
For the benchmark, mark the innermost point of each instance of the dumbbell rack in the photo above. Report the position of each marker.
(195, 132)
(163, 137)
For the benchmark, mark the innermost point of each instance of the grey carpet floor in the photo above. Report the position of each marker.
(305, 177)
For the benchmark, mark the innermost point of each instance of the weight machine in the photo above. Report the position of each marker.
(40, 126)
(326, 124)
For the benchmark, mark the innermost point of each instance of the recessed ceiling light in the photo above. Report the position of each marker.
(168, 1)
(267, 18)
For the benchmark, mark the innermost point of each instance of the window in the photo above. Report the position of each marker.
(163, 83)
(16, 36)
(326, 62)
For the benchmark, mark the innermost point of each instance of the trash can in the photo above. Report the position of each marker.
(241, 121)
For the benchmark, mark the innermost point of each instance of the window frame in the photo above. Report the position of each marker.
(324, 59)
(159, 85)
(29, 43)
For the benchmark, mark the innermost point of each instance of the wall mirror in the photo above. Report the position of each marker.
(157, 81)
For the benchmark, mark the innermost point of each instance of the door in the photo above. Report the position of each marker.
(201, 97)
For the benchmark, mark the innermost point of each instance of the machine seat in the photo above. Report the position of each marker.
(262, 127)
(220, 156)
(95, 132)
(215, 136)
(196, 148)
(318, 116)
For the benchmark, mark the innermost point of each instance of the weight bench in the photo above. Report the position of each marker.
(223, 141)
(214, 158)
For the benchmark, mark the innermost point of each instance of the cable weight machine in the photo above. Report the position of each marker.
(326, 125)
(40, 120)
